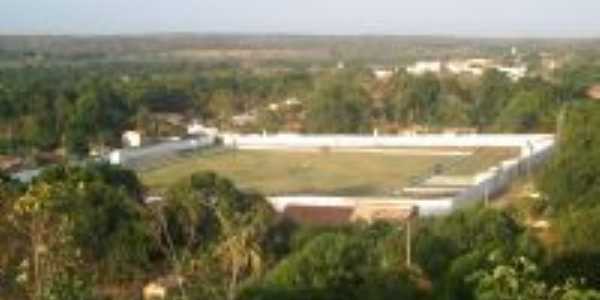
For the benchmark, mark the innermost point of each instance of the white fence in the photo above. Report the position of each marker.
(498, 178)
(132, 156)
(426, 207)
(365, 141)
(535, 149)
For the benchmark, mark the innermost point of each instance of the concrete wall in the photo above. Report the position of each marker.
(427, 207)
(498, 178)
(128, 157)
(357, 141)
(535, 149)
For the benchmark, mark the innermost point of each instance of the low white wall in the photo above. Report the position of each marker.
(128, 156)
(427, 207)
(357, 141)
(535, 149)
(498, 178)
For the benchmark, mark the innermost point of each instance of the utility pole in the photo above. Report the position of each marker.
(414, 213)
(408, 243)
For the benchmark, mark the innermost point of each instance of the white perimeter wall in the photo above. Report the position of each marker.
(535, 149)
(426, 206)
(127, 156)
(341, 141)
(498, 178)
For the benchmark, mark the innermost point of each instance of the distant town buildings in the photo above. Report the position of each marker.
(383, 74)
(472, 66)
(423, 67)
(514, 73)
(196, 128)
(244, 119)
(549, 62)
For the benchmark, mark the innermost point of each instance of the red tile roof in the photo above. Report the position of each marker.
(594, 92)
(10, 163)
(336, 215)
(319, 215)
(389, 212)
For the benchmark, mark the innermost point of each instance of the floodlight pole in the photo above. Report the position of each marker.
(529, 167)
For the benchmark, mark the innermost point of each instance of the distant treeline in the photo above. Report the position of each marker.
(374, 49)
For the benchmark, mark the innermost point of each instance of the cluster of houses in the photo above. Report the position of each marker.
(138, 151)
(197, 135)
(291, 104)
(383, 74)
(516, 70)
(473, 66)
(135, 139)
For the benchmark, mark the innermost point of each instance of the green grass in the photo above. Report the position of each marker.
(288, 172)
(484, 158)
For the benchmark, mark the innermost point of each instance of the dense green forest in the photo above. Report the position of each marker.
(83, 232)
(78, 108)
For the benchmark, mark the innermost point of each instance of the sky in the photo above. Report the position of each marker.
(493, 18)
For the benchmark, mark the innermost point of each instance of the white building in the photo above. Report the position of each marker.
(244, 119)
(131, 139)
(195, 128)
(383, 74)
(463, 67)
(274, 106)
(474, 66)
(422, 67)
(477, 66)
(293, 101)
(114, 157)
(514, 73)
(549, 62)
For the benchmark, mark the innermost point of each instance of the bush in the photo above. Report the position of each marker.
(69, 287)
(341, 265)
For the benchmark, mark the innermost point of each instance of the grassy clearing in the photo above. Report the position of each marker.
(288, 172)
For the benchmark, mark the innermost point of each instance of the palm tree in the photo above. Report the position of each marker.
(240, 252)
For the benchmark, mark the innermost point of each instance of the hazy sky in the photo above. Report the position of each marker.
(458, 17)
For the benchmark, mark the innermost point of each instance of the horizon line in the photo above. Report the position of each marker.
(304, 34)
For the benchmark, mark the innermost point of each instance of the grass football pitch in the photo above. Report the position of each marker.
(356, 173)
